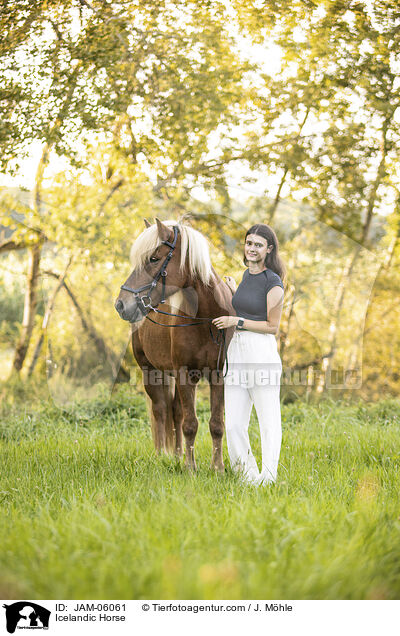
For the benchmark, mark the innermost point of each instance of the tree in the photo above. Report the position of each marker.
(168, 70)
(157, 80)
(346, 55)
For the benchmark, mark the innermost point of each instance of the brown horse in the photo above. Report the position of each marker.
(174, 357)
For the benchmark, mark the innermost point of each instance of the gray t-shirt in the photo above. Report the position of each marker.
(250, 299)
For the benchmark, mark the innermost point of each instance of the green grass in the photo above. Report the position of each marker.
(90, 512)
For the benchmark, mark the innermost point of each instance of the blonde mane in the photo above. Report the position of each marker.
(195, 251)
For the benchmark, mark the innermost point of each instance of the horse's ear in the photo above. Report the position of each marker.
(164, 232)
(147, 224)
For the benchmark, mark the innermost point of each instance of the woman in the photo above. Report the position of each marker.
(254, 365)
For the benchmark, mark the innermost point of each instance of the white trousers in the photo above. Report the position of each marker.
(254, 371)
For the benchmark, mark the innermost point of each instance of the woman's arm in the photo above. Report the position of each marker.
(271, 325)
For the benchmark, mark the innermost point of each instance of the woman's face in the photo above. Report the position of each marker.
(256, 248)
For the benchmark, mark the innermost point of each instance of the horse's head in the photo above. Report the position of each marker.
(158, 271)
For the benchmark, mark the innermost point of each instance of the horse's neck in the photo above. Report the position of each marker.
(199, 300)
(214, 300)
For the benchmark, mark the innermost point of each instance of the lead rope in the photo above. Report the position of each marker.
(219, 340)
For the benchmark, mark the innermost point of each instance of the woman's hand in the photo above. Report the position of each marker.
(224, 322)
(231, 283)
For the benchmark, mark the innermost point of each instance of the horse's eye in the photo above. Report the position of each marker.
(154, 259)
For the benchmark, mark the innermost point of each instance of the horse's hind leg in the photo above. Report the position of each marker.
(217, 421)
(187, 393)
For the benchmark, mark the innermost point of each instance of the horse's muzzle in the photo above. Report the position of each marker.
(130, 314)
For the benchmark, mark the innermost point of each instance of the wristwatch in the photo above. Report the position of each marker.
(240, 323)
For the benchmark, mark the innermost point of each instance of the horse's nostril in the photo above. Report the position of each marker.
(119, 305)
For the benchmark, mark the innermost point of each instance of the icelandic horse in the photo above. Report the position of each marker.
(170, 297)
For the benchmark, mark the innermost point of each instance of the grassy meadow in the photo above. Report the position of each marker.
(88, 511)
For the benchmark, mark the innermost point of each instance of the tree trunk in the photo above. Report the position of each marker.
(274, 206)
(46, 319)
(394, 242)
(352, 260)
(29, 307)
(335, 322)
(385, 266)
(35, 250)
(285, 333)
(103, 349)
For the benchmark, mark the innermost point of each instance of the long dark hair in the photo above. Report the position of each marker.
(272, 260)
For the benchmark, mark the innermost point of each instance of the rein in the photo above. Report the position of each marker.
(145, 302)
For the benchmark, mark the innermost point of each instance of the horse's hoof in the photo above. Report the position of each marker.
(219, 468)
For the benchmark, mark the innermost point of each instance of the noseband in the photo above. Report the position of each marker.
(145, 301)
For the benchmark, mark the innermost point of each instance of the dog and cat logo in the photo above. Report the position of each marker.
(26, 615)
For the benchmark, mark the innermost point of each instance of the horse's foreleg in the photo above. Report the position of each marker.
(178, 420)
(217, 421)
(187, 393)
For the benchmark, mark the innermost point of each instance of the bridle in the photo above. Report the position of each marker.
(145, 301)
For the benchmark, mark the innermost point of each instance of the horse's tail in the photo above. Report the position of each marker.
(168, 388)
(169, 392)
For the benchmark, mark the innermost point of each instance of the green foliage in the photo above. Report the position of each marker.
(99, 218)
(338, 91)
(166, 69)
